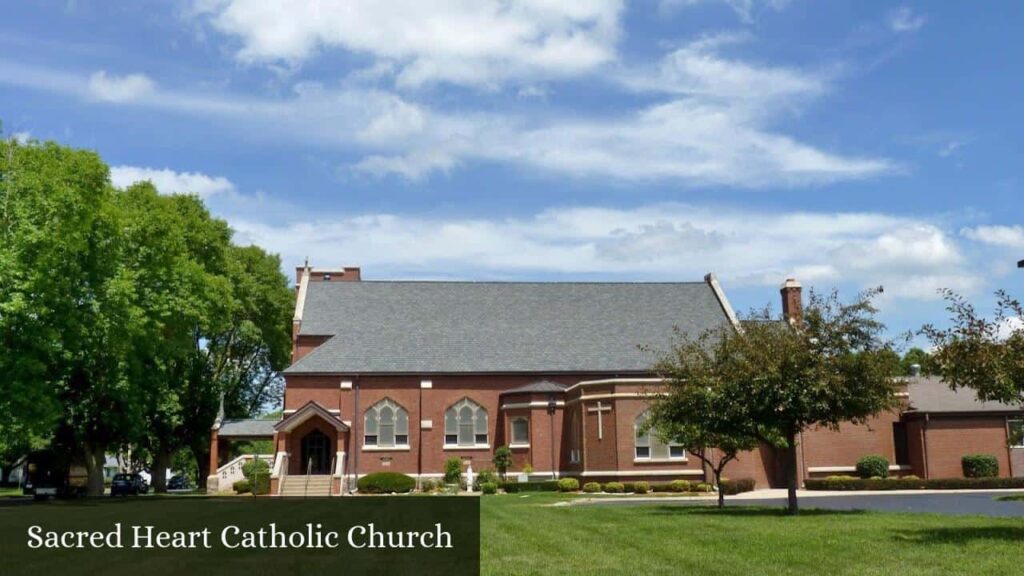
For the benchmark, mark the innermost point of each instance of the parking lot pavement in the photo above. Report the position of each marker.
(982, 503)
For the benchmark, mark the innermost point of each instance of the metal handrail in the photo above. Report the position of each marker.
(309, 469)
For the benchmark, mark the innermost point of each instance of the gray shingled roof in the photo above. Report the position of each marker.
(241, 428)
(453, 327)
(541, 387)
(932, 395)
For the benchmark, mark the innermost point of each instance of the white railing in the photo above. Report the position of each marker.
(231, 472)
(280, 470)
(339, 471)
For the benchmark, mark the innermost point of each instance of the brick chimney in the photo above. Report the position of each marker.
(792, 301)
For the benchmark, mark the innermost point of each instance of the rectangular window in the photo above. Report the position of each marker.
(451, 439)
(899, 440)
(481, 438)
(520, 431)
(1017, 433)
(643, 452)
(402, 440)
(676, 452)
(371, 440)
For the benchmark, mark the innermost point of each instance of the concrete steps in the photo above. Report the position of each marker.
(297, 486)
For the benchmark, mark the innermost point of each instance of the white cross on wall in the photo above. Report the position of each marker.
(599, 409)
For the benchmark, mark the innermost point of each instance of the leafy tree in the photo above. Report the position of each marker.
(773, 379)
(502, 460)
(697, 411)
(916, 356)
(984, 355)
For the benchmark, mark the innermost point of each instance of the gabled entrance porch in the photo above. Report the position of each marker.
(311, 447)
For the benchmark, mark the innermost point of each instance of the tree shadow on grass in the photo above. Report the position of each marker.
(961, 535)
(748, 511)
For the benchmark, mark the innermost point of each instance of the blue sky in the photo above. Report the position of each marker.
(849, 144)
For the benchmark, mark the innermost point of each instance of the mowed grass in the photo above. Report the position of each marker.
(9, 491)
(524, 535)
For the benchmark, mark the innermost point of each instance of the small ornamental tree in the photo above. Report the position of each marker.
(697, 411)
(984, 355)
(502, 460)
(774, 378)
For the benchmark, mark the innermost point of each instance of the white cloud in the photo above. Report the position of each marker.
(904, 19)
(746, 10)
(911, 258)
(950, 148)
(168, 181)
(1007, 236)
(466, 42)
(705, 120)
(21, 137)
(119, 88)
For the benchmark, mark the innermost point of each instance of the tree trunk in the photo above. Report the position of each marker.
(718, 486)
(791, 475)
(95, 458)
(158, 473)
(202, 465)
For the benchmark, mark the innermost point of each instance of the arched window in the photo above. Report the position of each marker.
(465, 424)
(520, 431)
(386, 425)
(648, 446)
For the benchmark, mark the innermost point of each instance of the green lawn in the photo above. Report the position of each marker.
(5, 492)
(520, 535)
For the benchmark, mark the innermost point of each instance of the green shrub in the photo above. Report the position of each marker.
(703, 487)
(871, 466)
(513, 487)
(254, 468)
(453, 470)
(731, 487)
(614, 488)
(386, 483)
(909, 477)
(428, 485)
(591, 487)
(980, 466)
(568, 485)
(853, 484)
(487, 476)
(641, 488)
(502, 459)
(679, 486)
(242, 487)
(489, 488)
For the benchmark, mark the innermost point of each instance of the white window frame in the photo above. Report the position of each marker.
(374, 413)
(455, 426)
(653, 444)
(515, 443)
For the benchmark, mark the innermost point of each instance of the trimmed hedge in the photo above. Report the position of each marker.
(679, 486)
(738, 486)
(980, 466)
(591, 487)
(386, 483)
(614, 488)
(842, 483)
(872, 466)
(568, 485)
(242, 487)
(641, 488)
(703, 487)
(513, 487)
(489, 488)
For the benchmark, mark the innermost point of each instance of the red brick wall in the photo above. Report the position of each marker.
(951, 438)
(826, 448)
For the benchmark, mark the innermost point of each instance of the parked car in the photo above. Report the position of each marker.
(54, 473)
(179, 482)
(125, 484)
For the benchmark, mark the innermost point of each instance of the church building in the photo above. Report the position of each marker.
(403, 375)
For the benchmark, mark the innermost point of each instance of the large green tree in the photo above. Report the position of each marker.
(125, 315)
(773, 379)
(983, 354)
